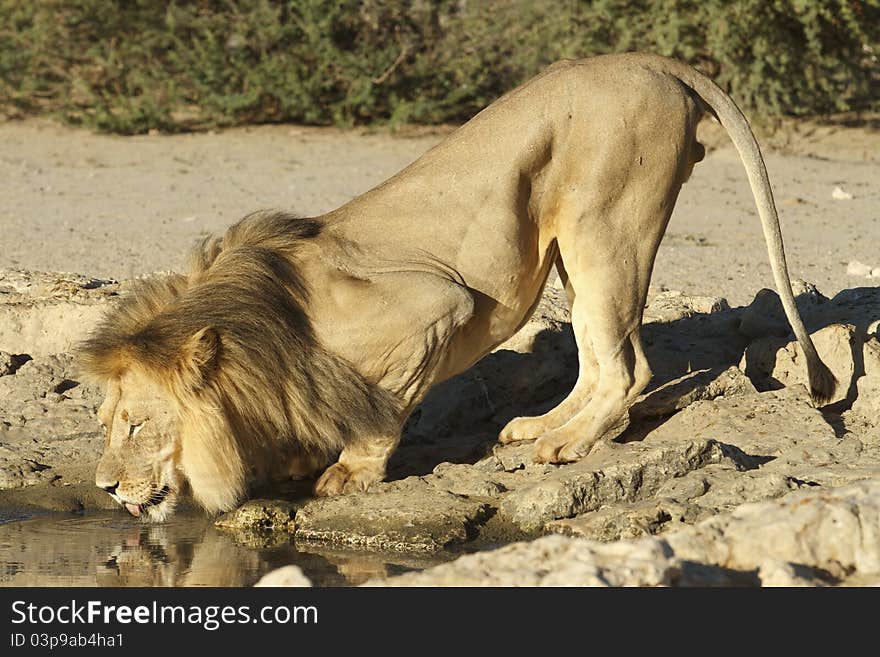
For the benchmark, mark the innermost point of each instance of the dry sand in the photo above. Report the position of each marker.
(121, 206)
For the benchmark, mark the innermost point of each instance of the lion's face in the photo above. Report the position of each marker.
(139, 466)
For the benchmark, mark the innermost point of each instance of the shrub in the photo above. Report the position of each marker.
(133, 65)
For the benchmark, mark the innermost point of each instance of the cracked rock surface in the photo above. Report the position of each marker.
(809, 538)
(725, 422)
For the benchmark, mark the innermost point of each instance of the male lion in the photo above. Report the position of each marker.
(292, 341)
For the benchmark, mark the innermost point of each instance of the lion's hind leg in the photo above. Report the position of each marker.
(530, 428)
(623, 374)
(610, 282)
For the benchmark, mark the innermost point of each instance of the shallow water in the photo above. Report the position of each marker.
(113, 549)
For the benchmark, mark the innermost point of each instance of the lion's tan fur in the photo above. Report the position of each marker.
(323, 334)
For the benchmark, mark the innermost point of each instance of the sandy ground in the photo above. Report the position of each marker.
(122, 206)
(707, 437)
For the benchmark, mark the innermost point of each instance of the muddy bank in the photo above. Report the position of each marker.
(726, 421)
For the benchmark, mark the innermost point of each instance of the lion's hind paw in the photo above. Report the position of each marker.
(558, 448)
(522, 428)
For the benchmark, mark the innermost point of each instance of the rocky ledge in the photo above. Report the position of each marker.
(725, 422)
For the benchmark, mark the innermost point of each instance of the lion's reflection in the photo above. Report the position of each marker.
(177, 555)
(111, 549)
(192, 552)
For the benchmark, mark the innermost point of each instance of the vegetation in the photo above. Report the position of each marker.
(132, 65)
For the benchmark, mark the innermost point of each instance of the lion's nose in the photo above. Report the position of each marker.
(111, 489)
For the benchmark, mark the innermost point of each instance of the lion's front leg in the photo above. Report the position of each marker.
(361, 464)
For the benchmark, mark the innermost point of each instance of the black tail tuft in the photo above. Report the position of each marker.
(823, 384)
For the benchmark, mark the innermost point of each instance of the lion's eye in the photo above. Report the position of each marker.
(134, 429)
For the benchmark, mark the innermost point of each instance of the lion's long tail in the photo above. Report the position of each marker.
(822, 381)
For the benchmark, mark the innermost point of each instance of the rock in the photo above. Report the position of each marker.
(38, 379)
(752, 427)
(48, 429)
(806, 295)
(770, 364)
(19, 285)
(875, 272)
(692, 485)
(779, 438)
(623, 521)
(831, 532)
(48, 313)
(462, 479)
(699, 342)
(6, 363)
(701, 442)
(856, 268)
(515, 457)
(261, 515)
(776, 573)
(16, 473)
(608, 474)
(859, 307)
(671, 305)
(868, 386)
(726, 489)
(408, 515)
(808, 538)
(703, 493)
(684, 391)
(290, 576)
(839, 194)
(550, 561)
(766, 316)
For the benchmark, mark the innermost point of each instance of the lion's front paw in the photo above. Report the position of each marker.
(521, 428)
(339, 479)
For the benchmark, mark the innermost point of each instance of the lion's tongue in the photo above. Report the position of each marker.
(133, 509)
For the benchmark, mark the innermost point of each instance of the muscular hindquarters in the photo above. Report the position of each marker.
(611, 166)
(616, 193)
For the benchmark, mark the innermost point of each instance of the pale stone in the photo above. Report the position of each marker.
(286, 576)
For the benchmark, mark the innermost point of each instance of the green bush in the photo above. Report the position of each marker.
(133, 65)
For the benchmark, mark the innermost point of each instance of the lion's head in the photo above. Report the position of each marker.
(165, 427)
(215, 380)
(140, 466)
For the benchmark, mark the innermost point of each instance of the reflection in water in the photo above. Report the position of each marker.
(110, 549)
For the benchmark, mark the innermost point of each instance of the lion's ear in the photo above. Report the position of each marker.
(199, 356)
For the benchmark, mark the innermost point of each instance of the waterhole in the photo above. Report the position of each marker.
(113, 549)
